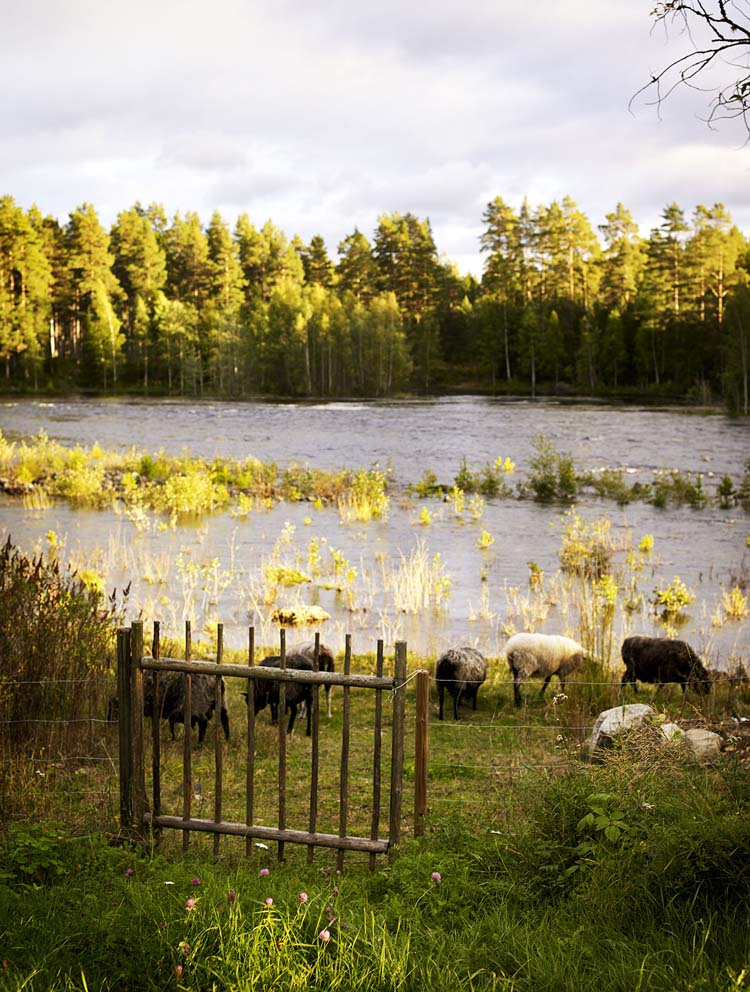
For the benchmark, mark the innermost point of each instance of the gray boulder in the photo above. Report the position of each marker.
(614, 722)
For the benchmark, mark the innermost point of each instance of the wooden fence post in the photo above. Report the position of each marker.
(156, 729)
(218, 729)
(125, 729)
(345, 738)
(136, 701)
(250, 758)
(397, 744)
(187, 741)
(422, 746)
(282, 745)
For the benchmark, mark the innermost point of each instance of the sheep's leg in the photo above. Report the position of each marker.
(545, 684)
(456, 704)
(309, 718)
(202, 724)
(328, 701)
(441, 691)
(225, 723)
(627, 677)
(516, 690)
(292, 707)
(474, 701)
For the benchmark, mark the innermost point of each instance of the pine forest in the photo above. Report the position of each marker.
(173, 307)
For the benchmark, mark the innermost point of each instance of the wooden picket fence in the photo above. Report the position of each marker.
(144, 821)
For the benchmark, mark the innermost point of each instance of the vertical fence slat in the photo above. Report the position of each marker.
(314, 769)
(282, 744)
(155, 726)
(125, 729)
(187, 713)
(136, 701)
(250, 776)
(397, 742)
(218, 730)
(376, 753)
(421, 751)
(345, 735)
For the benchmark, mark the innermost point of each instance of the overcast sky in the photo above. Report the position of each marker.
(321, 116)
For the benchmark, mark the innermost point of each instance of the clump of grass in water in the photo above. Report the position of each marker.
(366, 498)
(419, 583)
(669, 602)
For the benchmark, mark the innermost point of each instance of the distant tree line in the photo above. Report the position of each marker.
(175, 307)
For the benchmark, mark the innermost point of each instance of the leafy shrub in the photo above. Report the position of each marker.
(552, 475)
(677, 487)
(56, 645)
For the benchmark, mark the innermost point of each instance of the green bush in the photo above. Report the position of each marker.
(56, 646)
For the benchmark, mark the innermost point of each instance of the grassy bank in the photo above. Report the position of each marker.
(650, 892)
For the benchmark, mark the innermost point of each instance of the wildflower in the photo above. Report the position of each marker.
(129, 872)
(325, 936)
(184, 947)
(269, 901)
(264, 872)
(302, 897)
(232, 895)
(190, 905)
(195, 881)
(263, 847)
(331, 918)
(178, 970)
(169, 883)
(437, 877)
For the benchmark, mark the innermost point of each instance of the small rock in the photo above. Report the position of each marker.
(703, 743)
(611, 723)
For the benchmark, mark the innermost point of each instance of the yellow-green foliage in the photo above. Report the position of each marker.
(191, 493)
(586, 546)
(735, 603)
(458, 498)
(485, 540)
(366, 497)
(425, 517)
(671, 600)
(283, 575)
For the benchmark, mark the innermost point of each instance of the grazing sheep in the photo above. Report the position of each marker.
(659, 659)
(171, 705)
(266, 691)
(325, 664)
(541, 656)
(461, 671)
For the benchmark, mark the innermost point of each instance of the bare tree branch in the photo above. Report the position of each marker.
(719, 36)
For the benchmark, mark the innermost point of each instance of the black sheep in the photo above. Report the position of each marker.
(461, 671)
(266, 691)
(659, 659)
(170, 705)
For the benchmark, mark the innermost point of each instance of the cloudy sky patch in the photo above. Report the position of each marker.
(321, 117)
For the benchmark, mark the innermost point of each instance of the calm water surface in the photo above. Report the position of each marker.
(706, 548)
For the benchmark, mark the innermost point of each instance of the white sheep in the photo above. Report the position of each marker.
(541, 656)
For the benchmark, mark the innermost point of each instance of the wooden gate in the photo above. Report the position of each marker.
(139, 818)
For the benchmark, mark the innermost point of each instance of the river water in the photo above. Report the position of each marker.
(212, 570)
